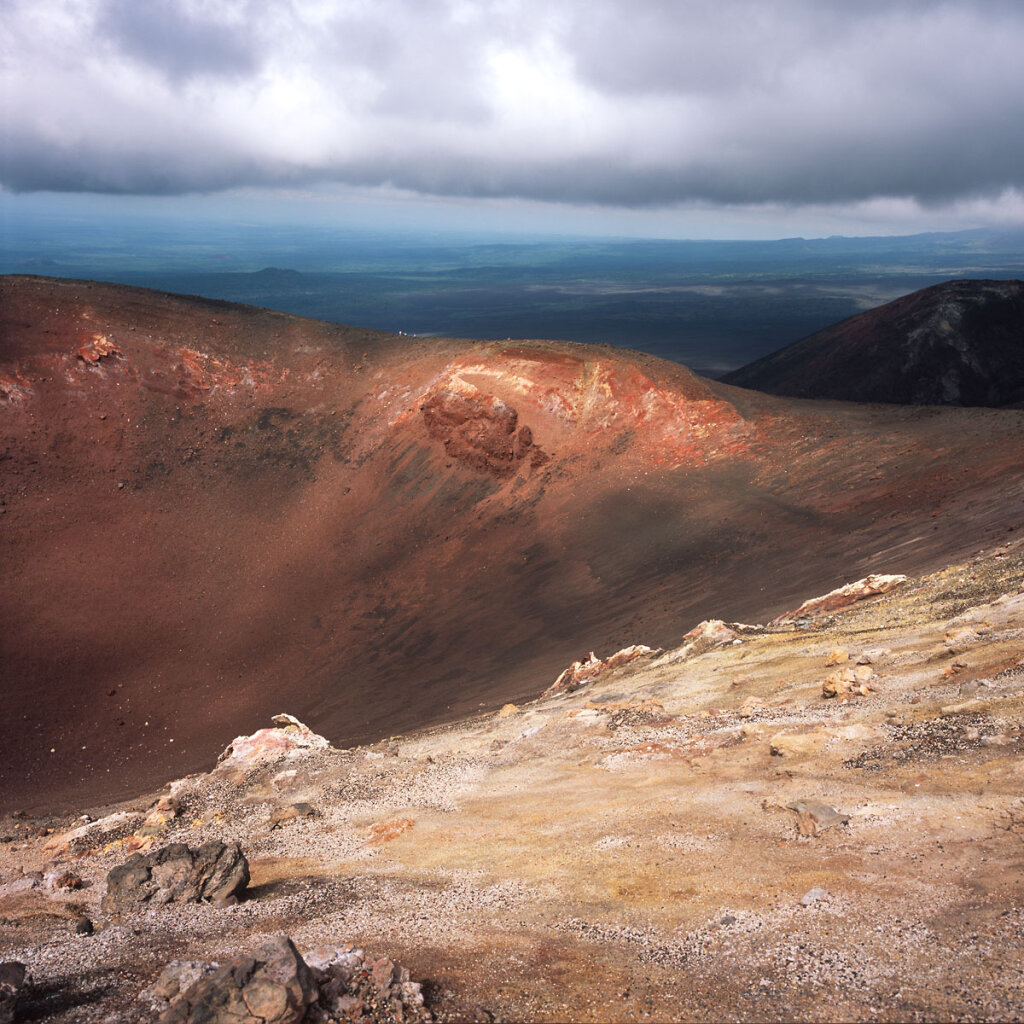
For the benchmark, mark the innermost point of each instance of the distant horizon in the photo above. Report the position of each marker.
(28, 215)
(711, 304)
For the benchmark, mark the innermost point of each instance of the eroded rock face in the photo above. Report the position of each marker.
(479, 430)
(177, 874)
(274, 986)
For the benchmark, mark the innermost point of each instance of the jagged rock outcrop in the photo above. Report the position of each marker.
(849, 682)
(277, 985)
(706, 636)
(841, 597)
(177, 874)
(579, 673)
(99, 348)
(958, 343)
(576, 675)
(354, 987)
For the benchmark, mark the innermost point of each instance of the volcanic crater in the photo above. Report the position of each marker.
(212, 512)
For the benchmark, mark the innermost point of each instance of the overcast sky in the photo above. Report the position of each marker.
(770, 117)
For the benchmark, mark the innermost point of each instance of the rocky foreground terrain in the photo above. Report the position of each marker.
(819, 818)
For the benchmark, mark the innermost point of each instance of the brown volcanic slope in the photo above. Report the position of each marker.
(213, 513)
(959, 343)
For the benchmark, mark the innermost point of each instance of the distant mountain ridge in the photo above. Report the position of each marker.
(957, 343)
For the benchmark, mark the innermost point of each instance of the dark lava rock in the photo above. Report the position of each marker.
(177, 874)
(275, 986)
(958, 343)
(12, 980)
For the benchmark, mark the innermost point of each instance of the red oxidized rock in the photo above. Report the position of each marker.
(99, 348)
(478, 429)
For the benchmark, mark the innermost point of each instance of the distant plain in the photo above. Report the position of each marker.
(712, 305)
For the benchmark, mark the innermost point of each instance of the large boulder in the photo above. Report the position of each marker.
(274, 986)
(177, 874)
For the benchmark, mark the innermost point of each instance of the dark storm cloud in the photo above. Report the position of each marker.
(632, 104)
(166, 35)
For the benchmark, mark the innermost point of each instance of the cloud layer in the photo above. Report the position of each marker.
(637, 104)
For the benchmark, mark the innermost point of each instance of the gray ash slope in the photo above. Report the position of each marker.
(958, 343)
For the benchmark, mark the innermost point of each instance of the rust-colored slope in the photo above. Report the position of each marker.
(213, 513)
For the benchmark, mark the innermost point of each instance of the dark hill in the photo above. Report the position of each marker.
(959, 343)
(213, 513)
